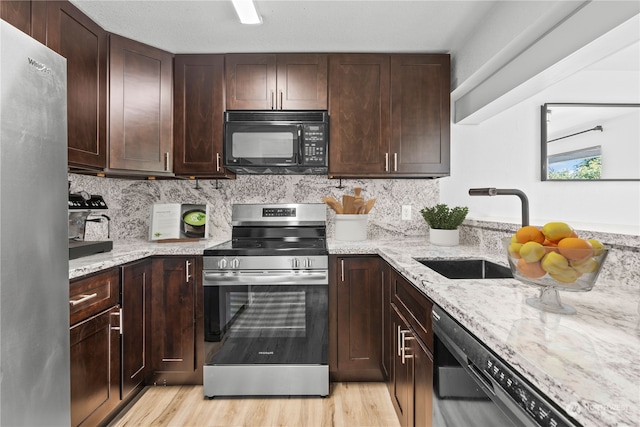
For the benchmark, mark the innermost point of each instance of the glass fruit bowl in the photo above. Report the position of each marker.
(554, 269)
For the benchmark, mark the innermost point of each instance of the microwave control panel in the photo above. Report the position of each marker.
(315, 144)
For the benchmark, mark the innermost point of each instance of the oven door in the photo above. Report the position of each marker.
(265, 317)
(261, 144)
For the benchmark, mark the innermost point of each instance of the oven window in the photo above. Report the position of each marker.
(278, 324)
(263, 145)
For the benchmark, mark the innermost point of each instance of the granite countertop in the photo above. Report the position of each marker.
(587, 363)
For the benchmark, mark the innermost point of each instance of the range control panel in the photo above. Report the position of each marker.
(85, 201)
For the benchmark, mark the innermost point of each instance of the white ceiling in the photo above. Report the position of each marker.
(188, 26)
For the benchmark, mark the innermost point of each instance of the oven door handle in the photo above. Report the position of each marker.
(266, 278)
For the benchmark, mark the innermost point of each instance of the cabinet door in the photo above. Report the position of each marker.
(136, 279)
(84, 44)
(95, 366)
(387, 332)
(359, 111)
(422, 383)
(251, 81)
(302, 82)
(140, 79)
(198, 115)
(402, 371)
(176, 343)
(27, 16)
(420, 87)
(359, 319)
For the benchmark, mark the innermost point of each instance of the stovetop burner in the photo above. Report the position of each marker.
(271, 230)
(269, 248)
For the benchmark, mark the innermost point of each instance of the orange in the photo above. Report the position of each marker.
(575, 248)
(529, 233)
(550, 246)
(530, 269)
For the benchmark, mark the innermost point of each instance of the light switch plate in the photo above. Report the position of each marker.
(406, 212)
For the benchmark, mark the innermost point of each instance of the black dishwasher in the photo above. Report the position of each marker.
(473, 387)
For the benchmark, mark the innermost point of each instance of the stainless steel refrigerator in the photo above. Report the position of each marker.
(34, 264)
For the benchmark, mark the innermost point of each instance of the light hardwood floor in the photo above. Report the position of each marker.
(349, 405)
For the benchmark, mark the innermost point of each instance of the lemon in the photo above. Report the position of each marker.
(568, 276)
(514, 250)
(598, 248)
(555, 263)
(532, 251)
(586, 266)
(555, 231)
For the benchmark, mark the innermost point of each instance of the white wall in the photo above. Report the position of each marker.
(504, 152)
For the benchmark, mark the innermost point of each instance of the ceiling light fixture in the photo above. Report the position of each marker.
(247, 12)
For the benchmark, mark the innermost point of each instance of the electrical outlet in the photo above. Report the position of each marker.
(406, 212)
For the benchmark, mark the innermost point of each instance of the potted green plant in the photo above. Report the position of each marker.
(443, 223)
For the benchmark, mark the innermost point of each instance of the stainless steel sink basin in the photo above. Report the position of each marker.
(467, 268)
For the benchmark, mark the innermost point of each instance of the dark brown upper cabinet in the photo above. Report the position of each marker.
(389, 115)
(30, 17)
(420, 99)
(198, 116)
(140, 96)
(276, 81)
(84, 44)
(359, 114)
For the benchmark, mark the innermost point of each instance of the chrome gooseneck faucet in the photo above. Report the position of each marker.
(505, 191)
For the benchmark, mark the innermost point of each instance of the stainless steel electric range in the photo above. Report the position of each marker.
(266, 304)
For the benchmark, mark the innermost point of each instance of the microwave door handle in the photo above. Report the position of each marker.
(300, 155)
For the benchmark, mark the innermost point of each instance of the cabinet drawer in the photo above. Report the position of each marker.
(415, 307)
(92, 294)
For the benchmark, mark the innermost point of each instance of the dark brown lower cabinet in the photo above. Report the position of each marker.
(175, 324)
(136, 279)
(411, 376)
(95, 367)
(355, 319)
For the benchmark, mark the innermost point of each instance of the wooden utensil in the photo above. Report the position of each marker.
(358, 206)
(368, 205)
(347, 204)
(333, 204)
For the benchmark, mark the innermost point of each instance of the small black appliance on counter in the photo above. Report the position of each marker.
(81, 205)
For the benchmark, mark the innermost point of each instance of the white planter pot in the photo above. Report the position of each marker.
(444, 237)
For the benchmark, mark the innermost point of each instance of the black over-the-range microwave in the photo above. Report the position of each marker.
(276, 142)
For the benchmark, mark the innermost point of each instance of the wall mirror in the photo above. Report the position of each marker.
(590, 142)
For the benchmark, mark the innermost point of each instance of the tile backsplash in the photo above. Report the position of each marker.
(130, 201)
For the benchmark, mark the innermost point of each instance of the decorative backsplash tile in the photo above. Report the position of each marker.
(130, 201)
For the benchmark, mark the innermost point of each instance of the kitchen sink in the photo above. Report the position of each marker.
(467, 268)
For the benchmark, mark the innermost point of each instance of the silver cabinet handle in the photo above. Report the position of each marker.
(395, 162)
(272, 96)
(217, 162)
(166, 162)
(281, 107)
(386, 162)
(82, 299)
(119, 327)
(399, 340)
(342, 270)
(405, 338)
(187, 264)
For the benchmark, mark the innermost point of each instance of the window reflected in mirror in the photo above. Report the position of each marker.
(590, 141)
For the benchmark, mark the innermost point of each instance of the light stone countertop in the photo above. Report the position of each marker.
(587, 363)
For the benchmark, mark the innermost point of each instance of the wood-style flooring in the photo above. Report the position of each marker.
(348, 405)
